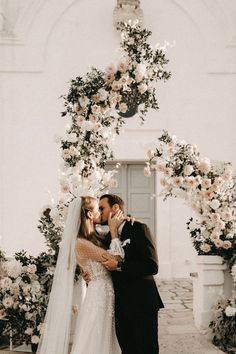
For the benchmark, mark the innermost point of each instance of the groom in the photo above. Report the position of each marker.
(137, 300)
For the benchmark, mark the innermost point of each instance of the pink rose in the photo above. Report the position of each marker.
(93, 117)
(122, 66)
(142, 88)
(147, 171)
(205, 247)
(116, 86)
(98, 126)
(111, 69)
(227, 245)
(96, 109)
(110, 77)
(123, 107)
(8, 302)
(95, 98)
(65, 188)
(206, 182)
(218, 243)
(191, 181)
(178, 181)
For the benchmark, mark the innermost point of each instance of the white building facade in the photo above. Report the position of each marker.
(45, 43)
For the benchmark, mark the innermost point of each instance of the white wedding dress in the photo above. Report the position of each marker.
(95, 327)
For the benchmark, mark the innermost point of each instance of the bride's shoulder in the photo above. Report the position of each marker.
(82, 243)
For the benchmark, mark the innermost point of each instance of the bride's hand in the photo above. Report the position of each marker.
(114, 222)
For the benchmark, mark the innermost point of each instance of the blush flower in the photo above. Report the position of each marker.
(204, 165)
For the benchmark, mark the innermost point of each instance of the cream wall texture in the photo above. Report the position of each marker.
(45, 43)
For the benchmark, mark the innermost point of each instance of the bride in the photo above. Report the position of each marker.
(95, 327)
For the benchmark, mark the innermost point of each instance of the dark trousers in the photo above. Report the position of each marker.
(137, 333)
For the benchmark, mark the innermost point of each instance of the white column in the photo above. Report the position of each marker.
(208, 285)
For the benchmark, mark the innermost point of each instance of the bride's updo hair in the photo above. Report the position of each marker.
(88, 204)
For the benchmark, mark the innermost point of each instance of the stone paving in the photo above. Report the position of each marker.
(177, 333)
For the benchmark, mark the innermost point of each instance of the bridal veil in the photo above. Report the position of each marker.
(56, 336)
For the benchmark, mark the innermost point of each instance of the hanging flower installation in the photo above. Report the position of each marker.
(208, 189)
(94, 105)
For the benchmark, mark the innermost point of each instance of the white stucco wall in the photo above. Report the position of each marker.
(54, 41)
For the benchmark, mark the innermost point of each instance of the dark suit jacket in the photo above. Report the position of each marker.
(134, 286)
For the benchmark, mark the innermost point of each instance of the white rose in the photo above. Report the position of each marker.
(230, 235)
(204, 165)
(84, 101)
(72, 137)
(214, 204)
(103, 94)
(31, 269)
(5, 283)
(35, 339)
(87, 125)
(25, 307)
(230, 311)
(13, 268)
(35, 287)
(141, 69)
(29, 331)
(28, 315)
(188, 169)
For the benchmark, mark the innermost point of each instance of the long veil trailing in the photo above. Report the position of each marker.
(55, 339)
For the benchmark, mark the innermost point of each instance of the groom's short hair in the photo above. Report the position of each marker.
(113, 199)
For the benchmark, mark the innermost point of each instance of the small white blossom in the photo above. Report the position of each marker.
(230, 311)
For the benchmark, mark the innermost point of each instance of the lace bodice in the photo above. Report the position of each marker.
(96, 270)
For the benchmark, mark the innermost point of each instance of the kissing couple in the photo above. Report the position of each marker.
(119, 313)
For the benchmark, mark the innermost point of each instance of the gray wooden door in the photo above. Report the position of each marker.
(136, 190)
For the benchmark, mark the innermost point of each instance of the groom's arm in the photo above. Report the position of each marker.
(144, 257)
